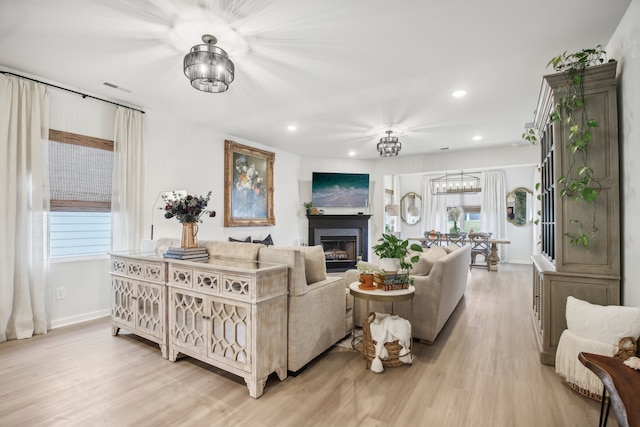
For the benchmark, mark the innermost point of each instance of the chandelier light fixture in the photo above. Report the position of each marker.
(208, 67)
(455, 183)
(389, 146)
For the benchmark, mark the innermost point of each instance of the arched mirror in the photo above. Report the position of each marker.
(520, 206)
(410, 208)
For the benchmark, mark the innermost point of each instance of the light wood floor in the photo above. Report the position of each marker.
(483, 370)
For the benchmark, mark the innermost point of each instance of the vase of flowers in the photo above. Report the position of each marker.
(453, 215)
(187, 209)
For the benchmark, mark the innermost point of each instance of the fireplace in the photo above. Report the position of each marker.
(343, 237)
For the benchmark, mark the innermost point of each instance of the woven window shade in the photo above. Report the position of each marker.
(470, 202)
(80, 170)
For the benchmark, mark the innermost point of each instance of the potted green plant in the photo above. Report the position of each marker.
(580, 182)
(308, 206)
(393, 253)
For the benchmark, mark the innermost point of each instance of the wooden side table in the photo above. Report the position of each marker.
(382, 296)
(621, 382)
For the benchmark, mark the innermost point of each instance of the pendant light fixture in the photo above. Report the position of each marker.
(389, 146)
(208, 67)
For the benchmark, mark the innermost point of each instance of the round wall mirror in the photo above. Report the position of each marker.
(520, 206)
(410, 208)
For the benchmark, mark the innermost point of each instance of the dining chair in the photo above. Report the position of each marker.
(480, 246)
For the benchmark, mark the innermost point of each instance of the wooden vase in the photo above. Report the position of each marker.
(189, 232)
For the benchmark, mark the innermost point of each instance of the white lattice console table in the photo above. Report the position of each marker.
(231, 314)
(139, 295)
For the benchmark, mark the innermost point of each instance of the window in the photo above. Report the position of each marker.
(471, 203)
(80, 169)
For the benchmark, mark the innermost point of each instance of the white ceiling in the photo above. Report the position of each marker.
(342, 71)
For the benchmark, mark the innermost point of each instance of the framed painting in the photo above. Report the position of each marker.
(248, 186)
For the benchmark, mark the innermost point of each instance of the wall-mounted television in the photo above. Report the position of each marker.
(340, 190)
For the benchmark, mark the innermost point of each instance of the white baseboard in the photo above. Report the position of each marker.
(72, 320)
(521, 261)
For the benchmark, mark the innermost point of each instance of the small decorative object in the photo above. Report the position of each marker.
(390, 281)
(308, 206)
(187, 210)
(366, 275)
(453, 214)
(314, 211)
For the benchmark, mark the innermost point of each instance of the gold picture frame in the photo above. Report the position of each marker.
(248, 186)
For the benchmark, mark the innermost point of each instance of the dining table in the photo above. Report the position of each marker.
(441, 239)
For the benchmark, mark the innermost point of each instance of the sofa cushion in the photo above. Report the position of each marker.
(451, 248)
(428, 259)
(604, 323)
(314, 264)
(420, 268)
(237, 250)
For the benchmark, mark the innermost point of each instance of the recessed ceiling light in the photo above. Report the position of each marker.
(352, 153)
(291, 128)
(477, 138)
(459, 93)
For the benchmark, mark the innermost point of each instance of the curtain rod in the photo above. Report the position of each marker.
(84, 95)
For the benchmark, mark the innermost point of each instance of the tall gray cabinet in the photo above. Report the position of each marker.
(560, 269)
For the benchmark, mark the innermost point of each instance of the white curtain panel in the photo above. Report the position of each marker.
(493, 217)
(128, 185)
(24, 197)
(434, 208)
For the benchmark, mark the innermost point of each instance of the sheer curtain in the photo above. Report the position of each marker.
(24, 197)
(434, 208)
(127, 188)
(493, 217)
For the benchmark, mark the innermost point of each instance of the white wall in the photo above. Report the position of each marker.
(624, 46)
(183, 156)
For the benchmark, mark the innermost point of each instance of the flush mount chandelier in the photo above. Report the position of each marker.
(389, 146)
(208, 67)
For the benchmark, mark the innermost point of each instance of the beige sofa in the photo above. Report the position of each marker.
(440, 280)
(318, 316)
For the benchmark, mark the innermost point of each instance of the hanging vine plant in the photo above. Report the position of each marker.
(571, 110)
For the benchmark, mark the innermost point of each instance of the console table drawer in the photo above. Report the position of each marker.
(137, 269)
(155, 271)
(237, 285)
(207, 281)
(181, 276)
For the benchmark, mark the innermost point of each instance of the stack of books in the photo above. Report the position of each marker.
(187, 254)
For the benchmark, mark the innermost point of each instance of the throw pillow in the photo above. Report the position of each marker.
(430, 257)
(247, 240)
(604, 323)
(420, 268)
(268, 241)
(451, 248)
(314, 264)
